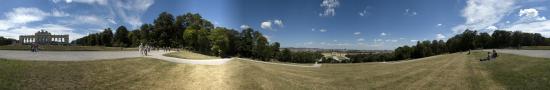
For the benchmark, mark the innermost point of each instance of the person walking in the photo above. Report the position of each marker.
(140, 49)
(146, 49)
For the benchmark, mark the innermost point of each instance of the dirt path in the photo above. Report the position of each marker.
(66, 55)
(97, 55)
(532, 53)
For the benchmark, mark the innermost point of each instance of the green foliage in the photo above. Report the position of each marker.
(220, 42)
(6, 41)
(468, 40)
(121, 38)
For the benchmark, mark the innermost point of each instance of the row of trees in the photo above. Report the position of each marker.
(299, 57)
(121, 38)
(468, 40)
(192, 32)
(6, 41)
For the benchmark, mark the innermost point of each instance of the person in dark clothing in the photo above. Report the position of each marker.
(495, 55)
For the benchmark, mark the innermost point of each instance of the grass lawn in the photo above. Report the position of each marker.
(185, 54)
(450, 71)
(130, 73)
(66, 48)
(519, 72)
(535, 47)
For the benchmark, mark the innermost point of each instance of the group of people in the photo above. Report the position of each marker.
(34, 47)
(490, 56)
(144, 49)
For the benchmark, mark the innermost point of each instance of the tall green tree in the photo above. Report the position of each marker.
(220, 42)
(106, 37)
(164, 24)
(121, 37)
(247, 43)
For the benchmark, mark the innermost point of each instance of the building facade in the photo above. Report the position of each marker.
(45, 38)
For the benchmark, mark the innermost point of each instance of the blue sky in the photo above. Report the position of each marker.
(343, 24)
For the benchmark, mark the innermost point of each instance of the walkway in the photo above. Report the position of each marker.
(159, 55)
(531, 53)
(316, 65)
(96, 55)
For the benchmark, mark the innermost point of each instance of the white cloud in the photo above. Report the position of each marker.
(129, 12)
(111, 20)
(25, 15)
(266, 25)
(439, 36)
(56, 1)
(383, 34)
(269, 24)
(365, 12)
(409, 12)
(100, 2)
(439, 25)
(530, 12)
(414, 40)
(329, 7)
(21, 16)
(244, 26)
(91, 20)
(378, 40)
(542, 27)
(491, 28)
(360, 39)
(480, 14)
(529, 15)
(59, 13)
(322, 30)
(357, 33)
(391, 40)
(278, 22)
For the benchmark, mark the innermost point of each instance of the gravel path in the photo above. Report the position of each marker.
(159, 55)
(532, 53)
(66, 55)
(97, 55)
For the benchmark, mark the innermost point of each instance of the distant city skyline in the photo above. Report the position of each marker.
(331, 24)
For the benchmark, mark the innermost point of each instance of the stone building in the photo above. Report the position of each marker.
(45, 38)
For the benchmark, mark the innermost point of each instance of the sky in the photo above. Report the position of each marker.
(333, 24)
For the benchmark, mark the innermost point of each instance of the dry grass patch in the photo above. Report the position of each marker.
(450, 71)
(185, 54)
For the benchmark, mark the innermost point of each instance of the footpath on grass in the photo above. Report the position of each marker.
(96, 55)
(316, 65)
(531, 53)
(107, 55)
(160, 55)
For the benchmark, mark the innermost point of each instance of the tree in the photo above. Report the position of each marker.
(483, 40)
(501, 39)
(135, 38)
(146, 33)
(164, 24)
(539, 39)
(275, 50)
(285, 55)
(517, 37)
(6, 41)
(106, 38)
(190, 36)
(220, 42)
(121, 37)
(202, 41)
(247, 43)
